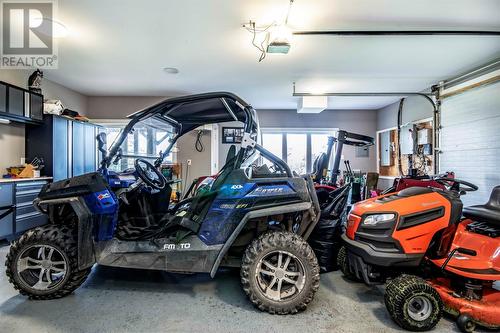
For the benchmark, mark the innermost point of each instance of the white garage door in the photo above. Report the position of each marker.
(470, 139)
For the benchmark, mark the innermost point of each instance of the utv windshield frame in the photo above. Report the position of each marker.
(187, 113)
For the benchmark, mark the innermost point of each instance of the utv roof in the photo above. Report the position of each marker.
(189, 112)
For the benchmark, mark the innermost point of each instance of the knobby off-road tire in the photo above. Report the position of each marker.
(280, 273)
(52, 242)
(412, 303)
(344, 265)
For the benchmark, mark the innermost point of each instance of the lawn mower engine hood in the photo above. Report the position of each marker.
(400, 222)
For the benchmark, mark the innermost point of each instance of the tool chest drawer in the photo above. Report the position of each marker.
(6, 196)
(17, 212)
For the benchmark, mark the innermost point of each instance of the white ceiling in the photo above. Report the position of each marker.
(119, 47)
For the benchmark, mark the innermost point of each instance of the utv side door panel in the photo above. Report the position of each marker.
(239, 195)
(188, 255)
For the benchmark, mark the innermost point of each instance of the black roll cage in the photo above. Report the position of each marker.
(163, 110)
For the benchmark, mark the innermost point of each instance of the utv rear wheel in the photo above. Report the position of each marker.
(42, 264)
(280, 273)
(412, 303)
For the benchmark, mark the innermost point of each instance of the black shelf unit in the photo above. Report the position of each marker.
(68, 147)
(20, 105)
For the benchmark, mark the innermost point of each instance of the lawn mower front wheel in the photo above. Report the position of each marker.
(412, 303)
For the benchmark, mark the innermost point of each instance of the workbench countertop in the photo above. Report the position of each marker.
(14, 180)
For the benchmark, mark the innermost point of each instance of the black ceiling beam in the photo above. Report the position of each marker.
(398, 33)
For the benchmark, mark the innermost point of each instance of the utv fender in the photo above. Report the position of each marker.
(315, 209)
(303, 206)
(86, 257)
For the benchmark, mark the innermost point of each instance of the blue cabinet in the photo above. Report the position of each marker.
(78, 149)
(60, 165)
(69, 147)
(6, 209)
(17, 213)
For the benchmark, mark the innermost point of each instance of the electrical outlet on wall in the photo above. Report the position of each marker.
(188, 162)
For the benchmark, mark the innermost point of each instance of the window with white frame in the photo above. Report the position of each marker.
(144, 142)
(297, 147)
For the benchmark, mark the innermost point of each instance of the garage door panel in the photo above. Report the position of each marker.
(475, 135)
(470, 139)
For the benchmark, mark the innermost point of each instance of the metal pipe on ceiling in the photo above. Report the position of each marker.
(427, 96)
(398, 32)
(471, 74)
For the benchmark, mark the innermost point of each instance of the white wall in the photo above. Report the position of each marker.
(12, 145)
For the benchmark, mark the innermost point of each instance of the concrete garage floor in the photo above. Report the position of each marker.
(117, 300)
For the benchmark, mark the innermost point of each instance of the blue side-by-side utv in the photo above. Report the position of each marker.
(255, 214)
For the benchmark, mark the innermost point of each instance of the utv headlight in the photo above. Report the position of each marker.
(376, 218)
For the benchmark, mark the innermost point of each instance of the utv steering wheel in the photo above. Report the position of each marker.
(455, 184)
(149, 174)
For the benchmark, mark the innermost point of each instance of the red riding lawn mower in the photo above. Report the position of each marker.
(454, 260)
(417, 181)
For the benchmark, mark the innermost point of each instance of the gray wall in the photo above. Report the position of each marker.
(357, 121)
(12, 135)
(71, 99)
(224, 147)
(414, 108)
(200, 161)
(118, 107)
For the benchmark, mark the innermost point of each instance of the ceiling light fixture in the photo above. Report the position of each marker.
(170, 70)
(59, 30)
(277, 36)
(312, 104)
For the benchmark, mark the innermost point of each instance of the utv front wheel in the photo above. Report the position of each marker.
(280, 273)
(42, 264)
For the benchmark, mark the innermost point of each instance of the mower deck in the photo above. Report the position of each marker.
(486, 312)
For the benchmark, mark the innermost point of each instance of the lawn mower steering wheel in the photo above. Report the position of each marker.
(455, 184)
(149, 174)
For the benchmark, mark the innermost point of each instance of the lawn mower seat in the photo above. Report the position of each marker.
(489, 212)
